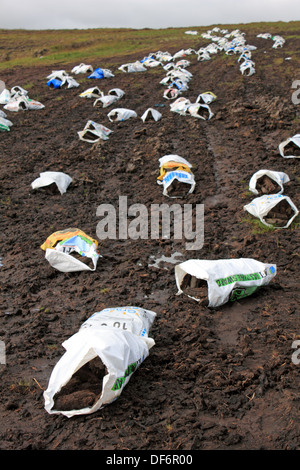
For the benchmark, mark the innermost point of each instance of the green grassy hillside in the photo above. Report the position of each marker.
(47, 47)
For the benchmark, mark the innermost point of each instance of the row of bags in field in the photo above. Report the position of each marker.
(110, 345)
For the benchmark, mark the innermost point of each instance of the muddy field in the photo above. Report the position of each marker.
(218, 378)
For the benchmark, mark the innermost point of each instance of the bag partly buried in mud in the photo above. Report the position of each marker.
(176, 176)
(290, 148)
(93, 132)
(52, 180)
(71, 250)
(214, 282)
(99, 361)
(268, 182)
(274, 210)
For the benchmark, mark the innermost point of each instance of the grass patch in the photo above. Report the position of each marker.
(257, 227)
(49, 47)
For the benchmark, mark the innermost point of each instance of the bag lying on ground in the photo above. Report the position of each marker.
(151, 114)
(121, 114)
(93, 92)
(59, 79)
(108, 348)
(206, 98)
(215, 282)
(5, 96)
(200, 111)
(132, 67)
(18, 90)
(62, 245)
(171, 93)
(93, 132)
(82, 68)
(61, 180)
(268, 182)
(247, 68)
(176, 176)
(101, 73)
(274, 210)
(105, 101)
(290, 148)
(180, 106)
(5, 124)
(117, 92)
(19, 103)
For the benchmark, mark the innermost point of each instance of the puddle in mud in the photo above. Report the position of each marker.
(165, 259)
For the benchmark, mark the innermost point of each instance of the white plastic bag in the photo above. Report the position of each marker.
(119, 338)
(278, 176)
(5, 124)
(133, 67)
(46, 178)
(59, 248)
(116, 91)
(24, 103)
(175, 168)
(93, 92)
(17, 90)
(295, 140)
(105, 101)
(261, 206)
(93, 132)
(151, 114)
(5, 96)
(200, 111)
(206, 98)
(171, 93)
(121, 114)
(247, 68)
(82, 68)
(222, 280)
(180, 105)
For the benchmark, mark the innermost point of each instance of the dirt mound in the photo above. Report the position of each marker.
(216, 378)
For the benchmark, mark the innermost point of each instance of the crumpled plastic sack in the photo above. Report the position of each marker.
(261, 207)
(247, 67)
(180, 105)
(175, 168)
(5, 96)
(295, 140)
(215, 282)
(93, 132)
(82, 68)
(121, 114)
(5, 124)
(46, 178)
(118, 338)
(59, 248)
(151, 114)
(206, 98)
(24, 103)
(279, 177)
(105, 101)
(60, 78)
(278, 41)
(171, 93)
(59, 74)
(54, 83)
(200, 111)
(117, 92)
(132, 67)
(101, 73)
(93, 92)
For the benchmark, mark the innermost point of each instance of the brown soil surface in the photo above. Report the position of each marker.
(216, 378)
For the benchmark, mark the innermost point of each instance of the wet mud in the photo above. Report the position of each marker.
(219, 378)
